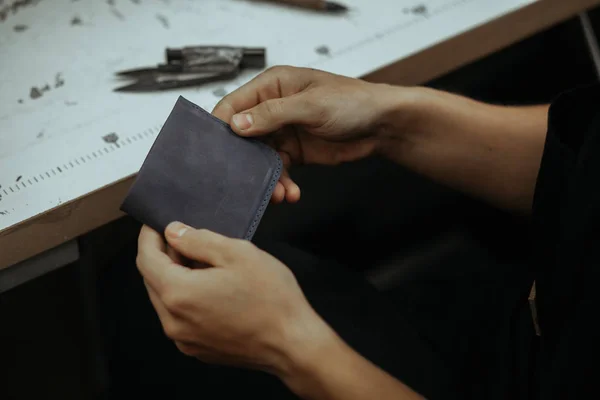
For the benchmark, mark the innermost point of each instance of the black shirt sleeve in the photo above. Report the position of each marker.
(566, 217)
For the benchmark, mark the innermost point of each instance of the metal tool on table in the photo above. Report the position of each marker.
(194, 66)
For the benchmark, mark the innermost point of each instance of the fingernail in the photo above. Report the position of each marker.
(243, 121)
(176, 229)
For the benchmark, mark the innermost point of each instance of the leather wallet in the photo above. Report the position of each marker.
(201, 173)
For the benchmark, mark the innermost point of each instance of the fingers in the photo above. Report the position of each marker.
(286, 189)
(278, 193)
(273, 114)
(157, 268)
(291, 189)
(188, 349)
(176, 257)
(198, 245)
(245, 97)
(150, 241)
(285, 158)
(173, 325)
(274, 83)
(164, 315)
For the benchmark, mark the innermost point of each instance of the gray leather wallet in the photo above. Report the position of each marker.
(201, 173)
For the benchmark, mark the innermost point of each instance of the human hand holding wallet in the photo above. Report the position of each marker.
(201, 173)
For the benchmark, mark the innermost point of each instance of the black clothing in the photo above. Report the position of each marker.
(566, 215)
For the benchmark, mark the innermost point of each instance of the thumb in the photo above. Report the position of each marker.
(198, 244)
(273, 114)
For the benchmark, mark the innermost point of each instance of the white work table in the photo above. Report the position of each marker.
(60, 179)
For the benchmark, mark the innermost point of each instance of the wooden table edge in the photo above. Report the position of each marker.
(72, 219)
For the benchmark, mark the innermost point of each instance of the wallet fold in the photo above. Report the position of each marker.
(203, 174)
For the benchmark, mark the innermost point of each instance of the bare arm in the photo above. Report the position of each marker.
(489, 151)
(493, 152)
(320, 366)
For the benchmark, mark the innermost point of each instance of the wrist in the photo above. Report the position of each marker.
(403, 111)
(306, 345)
(404, 107)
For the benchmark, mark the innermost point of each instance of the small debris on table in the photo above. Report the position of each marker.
(323, 50)
(111, 138)
(35, 93)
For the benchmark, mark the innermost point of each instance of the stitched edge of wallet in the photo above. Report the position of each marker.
(274, 178)
(267, 197)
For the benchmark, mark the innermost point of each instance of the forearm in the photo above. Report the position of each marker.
(492, 152)
(322, 367)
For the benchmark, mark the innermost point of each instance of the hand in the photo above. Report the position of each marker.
(244, 309)
(319, 117)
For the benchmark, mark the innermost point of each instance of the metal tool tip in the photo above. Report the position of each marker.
(335, 7)
(126, 88)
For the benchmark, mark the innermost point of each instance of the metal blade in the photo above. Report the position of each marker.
(157, 82)
(138, 72)
(139, 86)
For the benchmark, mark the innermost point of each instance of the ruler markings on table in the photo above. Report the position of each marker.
(148, 133)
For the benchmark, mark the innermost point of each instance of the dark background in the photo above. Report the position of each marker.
(437, 245)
